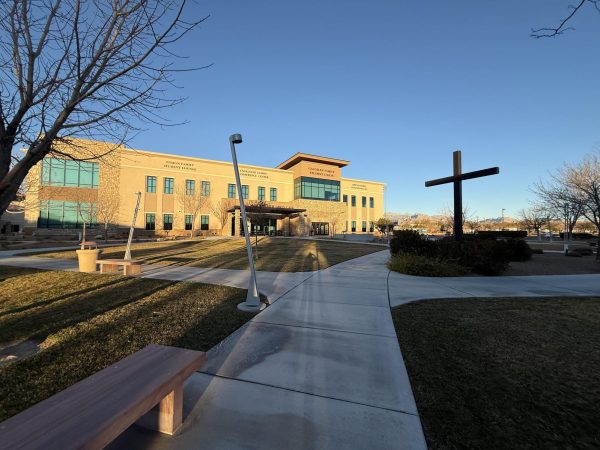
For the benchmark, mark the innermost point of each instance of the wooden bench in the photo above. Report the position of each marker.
(130, 266)
(93, 412)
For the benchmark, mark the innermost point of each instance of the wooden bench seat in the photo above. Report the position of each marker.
(130, 266)
(93, 412)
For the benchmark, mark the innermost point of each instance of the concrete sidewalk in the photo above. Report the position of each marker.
(319, 369)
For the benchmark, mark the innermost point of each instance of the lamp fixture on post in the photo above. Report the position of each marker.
(252, 303)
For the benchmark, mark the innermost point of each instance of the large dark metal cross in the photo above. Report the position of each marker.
(457, 179)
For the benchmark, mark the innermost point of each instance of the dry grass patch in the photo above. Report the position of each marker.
(504, 373)
(274, 254)
(87, 322)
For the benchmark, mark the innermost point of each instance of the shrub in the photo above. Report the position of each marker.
(411, 242)
(518, 250)
(411, 264)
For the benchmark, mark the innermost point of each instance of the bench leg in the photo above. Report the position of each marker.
(132, 269)
(170, 411)
(109, 268)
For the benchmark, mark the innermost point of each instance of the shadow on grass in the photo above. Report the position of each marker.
(73, 308)
(188, 315)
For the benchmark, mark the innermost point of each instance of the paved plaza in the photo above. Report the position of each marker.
(321, 367)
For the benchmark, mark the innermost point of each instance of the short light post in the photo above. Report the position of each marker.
(252, 302)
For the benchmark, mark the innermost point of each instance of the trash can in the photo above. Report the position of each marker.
(87, 259)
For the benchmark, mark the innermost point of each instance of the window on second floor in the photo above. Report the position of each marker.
(261, 193)
(345, 198)
(151, 184)
(231, 190)
(169, 183)
(206, 188)
(364, 202)
(353, 200)
(190, 187)
(273, 192)
(371, 202)
(245, 191)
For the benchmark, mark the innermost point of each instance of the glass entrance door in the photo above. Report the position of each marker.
(320, 228)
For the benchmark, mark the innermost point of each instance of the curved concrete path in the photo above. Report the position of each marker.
(320, 368)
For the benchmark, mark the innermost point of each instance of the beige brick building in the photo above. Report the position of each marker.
(304, 195)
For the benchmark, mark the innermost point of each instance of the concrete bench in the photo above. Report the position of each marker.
(130, 266)
(93, 412)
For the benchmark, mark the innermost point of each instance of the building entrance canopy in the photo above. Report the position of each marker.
(273, 212)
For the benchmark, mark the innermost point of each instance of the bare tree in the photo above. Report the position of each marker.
(193, 202)
(584, 177)
(89, 68)
(220, 209)
(108, 208)
(561, 199)
(334, 221)
(534, 218)
(448, 217)
(564, 23)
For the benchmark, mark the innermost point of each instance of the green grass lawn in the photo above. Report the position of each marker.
(505, 373)
(85, 322)
(275, 255)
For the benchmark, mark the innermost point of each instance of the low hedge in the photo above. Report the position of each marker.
(486, 256)
(425, 267)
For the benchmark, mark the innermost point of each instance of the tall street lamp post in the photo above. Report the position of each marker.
(252, 303)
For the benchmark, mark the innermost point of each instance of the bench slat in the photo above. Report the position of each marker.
(94, 411)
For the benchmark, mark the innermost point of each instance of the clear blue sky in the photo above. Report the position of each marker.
(395, 87)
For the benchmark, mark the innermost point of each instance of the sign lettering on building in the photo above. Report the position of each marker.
(179, 165)
(360, 187)
(253, 173)
(320, 172)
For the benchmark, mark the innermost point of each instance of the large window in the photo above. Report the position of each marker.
(371, 202)
(60, 214)
(372, 227)
(204, 222)
(273, 192)
(167, 221)
(150, 221)
(317, 189)
(353, 226)
(364, 226)
(261, 193)
(62, 172)
(206, 188)
(231, 190)
(245, 191)
(364, 202)
(345, 198)
(353, 199)
(169, 183)
(190, 188)
(189, 221)
(151, 184)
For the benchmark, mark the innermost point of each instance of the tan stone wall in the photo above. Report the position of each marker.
(124, 173)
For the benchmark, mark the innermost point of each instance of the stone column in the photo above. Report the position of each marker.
(236, 217)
